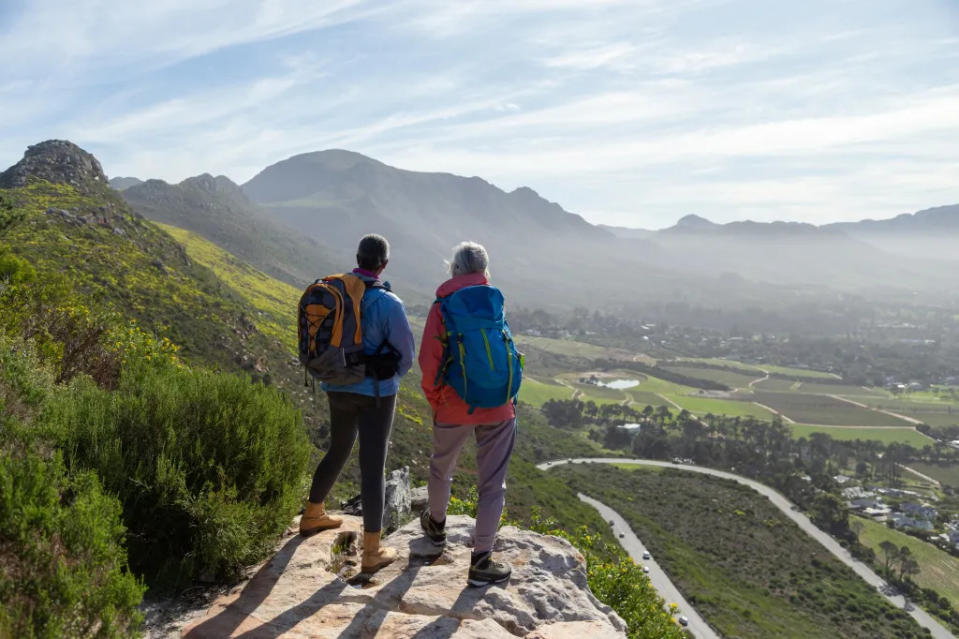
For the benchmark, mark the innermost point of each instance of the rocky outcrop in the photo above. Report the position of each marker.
(56, 161)
(310, 589)
(397, 502)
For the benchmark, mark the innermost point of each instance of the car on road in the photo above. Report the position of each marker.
(621, 535)
(683, 621)
(645, 568)
(646, 554)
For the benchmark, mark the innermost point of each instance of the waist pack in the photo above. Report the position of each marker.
(330, 331)
(480, 360)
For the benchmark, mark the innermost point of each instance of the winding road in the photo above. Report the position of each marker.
(657, 576)
(921, 616)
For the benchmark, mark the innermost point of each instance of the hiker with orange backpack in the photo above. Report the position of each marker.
(471, 374)
(354, 337)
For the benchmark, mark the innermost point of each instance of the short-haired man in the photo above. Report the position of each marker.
(366, 407)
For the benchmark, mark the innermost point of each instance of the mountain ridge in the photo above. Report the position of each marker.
(537, 248)
(218, 209)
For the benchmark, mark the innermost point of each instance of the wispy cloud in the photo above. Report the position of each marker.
(71, 36)
(632, 112)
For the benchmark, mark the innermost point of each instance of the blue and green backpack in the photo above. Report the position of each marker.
(480, 361)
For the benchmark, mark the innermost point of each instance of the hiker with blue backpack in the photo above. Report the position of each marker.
(471, 374)
(354, 337)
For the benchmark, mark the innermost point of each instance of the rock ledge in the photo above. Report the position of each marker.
(310, 589)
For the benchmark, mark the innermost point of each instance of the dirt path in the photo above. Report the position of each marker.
(934, 482)
(575, 391)
(910, 420)
(760, 379)
(788, 420)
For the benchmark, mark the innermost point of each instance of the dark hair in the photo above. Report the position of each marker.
(373, 252)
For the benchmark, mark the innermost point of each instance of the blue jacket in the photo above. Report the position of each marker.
(383, 318)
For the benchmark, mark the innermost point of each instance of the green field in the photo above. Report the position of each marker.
(857, 392)
(703, 405)
(749, 369)
(656, 385)
(823, 410)
(773, 384)
(642, 399)
(729, 378)
(797, 372)
(537, 393)
(748, 570)
(932, 413)
(592, 392)
(565, 347)
(947, 474)
(886, 435)
(939, 569)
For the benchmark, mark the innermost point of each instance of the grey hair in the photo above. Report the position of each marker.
(469, 257)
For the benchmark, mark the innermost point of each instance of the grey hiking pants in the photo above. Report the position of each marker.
(494, 445)
(373, 419)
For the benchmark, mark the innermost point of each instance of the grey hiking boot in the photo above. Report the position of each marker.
(485, 571)
(434, 531)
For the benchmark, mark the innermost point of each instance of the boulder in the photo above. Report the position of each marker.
(57, 161)
(419, 498)
(396, 502)
(310, 589)
(396, 508)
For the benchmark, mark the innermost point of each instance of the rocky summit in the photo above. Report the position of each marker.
(310, 589)
(56, 161)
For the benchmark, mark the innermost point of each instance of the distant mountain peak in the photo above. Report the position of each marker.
(123, 183)
(209, 184)
(58, 161)
(693, 221)
(338, 159)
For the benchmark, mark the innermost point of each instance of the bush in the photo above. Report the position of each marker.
(63, 563)
(209, 468)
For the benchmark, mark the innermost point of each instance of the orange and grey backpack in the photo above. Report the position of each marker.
(330, 330)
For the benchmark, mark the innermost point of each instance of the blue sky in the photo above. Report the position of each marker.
(631, 113)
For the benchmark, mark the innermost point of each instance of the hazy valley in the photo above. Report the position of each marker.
(811, 359)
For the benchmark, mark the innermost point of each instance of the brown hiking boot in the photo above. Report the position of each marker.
(375, 556)
(315, 519)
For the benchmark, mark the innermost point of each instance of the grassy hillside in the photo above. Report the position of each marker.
(938, 569)
(120, 262)
(274, 301)
(748, 569)
(216, 209)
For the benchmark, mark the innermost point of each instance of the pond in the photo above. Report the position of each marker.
(620, 384)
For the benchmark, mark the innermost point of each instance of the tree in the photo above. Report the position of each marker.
(890, 553)
(856, 527)
(906, 560)
(909, 568)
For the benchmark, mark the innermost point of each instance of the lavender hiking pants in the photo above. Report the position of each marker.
(494, 445)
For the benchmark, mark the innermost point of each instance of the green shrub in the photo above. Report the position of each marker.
(617, 581)
(209, 468)
(9, 215)
(61, 551)
(24, 380)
